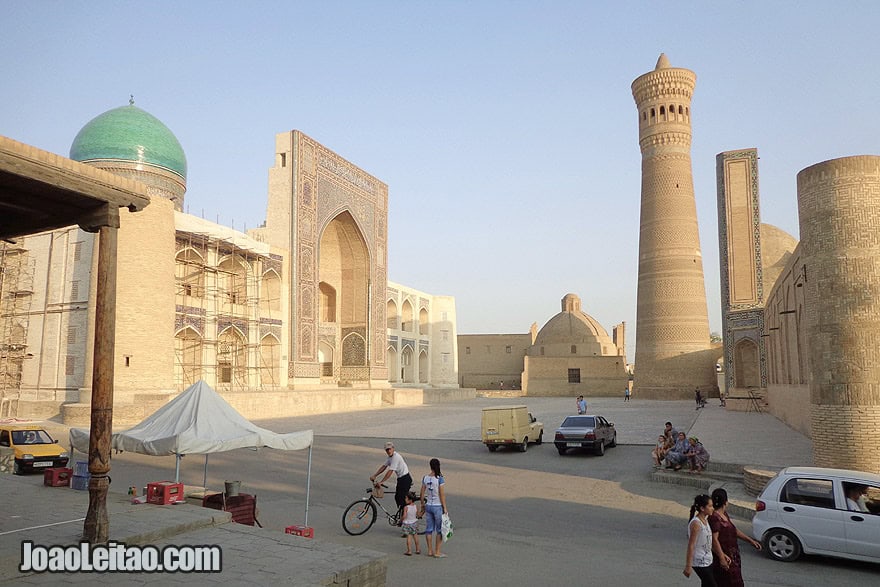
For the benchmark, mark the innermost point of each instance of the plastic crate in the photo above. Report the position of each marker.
(80, 482)
(57, 477)
(304, 531)
(81, 469)
(164, 492)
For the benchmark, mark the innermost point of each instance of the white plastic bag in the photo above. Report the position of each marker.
(445, 527)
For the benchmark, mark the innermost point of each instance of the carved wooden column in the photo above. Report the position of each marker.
(96, 528)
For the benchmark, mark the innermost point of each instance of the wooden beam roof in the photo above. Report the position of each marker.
(42, 191)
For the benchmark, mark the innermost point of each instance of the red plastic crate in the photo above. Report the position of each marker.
(164, 492)
(304, 531)
(57, 477)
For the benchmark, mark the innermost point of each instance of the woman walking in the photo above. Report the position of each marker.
(699, 550)
(433, 498)
(727, 566)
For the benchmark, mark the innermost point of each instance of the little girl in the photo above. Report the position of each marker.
(410, 517)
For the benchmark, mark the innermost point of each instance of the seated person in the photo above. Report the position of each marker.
(675, 456)
(855, 497)
(670, 433)
(660, 450)
(30, 437)
(697, 455)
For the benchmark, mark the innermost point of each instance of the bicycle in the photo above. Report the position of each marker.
(361, 514)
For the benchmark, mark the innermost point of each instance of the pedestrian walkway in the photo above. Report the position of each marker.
(54, 516)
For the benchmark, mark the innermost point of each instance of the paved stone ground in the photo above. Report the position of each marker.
(54, 516)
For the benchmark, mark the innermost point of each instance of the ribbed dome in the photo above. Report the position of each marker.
(571, 328)
(128, 133)
(572, 332)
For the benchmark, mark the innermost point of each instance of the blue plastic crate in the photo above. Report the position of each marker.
(81, 469)
(80, 482)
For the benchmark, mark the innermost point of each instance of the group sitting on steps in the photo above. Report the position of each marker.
(675, 450)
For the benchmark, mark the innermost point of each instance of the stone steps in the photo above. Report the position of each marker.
(729, 476)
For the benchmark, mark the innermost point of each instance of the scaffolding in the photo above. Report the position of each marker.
(228, 313)
(16, 294)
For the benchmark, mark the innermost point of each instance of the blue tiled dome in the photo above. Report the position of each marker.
(128, 133)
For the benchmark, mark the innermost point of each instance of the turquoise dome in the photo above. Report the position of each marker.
(128, 133)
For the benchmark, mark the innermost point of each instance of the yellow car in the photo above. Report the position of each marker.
(34, 448)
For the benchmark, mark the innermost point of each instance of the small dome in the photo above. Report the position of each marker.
(572, 327)
(128, 133)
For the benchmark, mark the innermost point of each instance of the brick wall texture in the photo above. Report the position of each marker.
(839, 205)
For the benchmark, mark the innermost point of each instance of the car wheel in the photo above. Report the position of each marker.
(524, 446)
(561, 450)
(600, 450)
(16, 468)
(492, 447)
(782, 545)
(613, 442)
(540, 437)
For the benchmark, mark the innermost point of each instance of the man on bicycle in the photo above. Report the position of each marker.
(395, 463)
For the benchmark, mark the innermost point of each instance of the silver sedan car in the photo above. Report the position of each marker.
(593, 432)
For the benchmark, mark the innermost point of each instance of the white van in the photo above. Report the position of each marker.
(510, 426)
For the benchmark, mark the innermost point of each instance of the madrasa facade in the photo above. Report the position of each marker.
(296, 316)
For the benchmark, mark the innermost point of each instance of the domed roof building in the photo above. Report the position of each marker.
(133, 143)
(573, 355)
(572, 328)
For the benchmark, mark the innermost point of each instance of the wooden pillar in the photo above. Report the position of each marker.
(97, 524)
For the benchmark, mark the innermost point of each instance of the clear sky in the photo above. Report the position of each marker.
(506, 131)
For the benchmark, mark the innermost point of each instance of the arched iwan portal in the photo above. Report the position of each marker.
(344, 269)
(747, 369)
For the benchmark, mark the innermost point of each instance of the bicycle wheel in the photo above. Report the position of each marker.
(359, 517)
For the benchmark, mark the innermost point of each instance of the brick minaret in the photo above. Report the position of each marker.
(673, 353)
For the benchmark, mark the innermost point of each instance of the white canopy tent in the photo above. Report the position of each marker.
(198, 421)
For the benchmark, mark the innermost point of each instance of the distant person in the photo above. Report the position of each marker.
(433, 498)
(581, 405)
(727, 564)
(699, 549)
(395, 463)
(410, 520)
(698, 396)
(626, 394)
(502, 386)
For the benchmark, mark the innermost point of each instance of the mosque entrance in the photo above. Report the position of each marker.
(344, 277)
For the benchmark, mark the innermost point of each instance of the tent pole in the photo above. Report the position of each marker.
(177, 467)
(308, 485)
(205, 479)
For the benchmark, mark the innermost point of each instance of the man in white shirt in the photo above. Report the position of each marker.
(855, 496)
(395, 463)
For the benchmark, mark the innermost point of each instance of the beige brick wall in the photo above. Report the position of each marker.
(487, 360)
(791, 404)
(145, 299)
(599, 376)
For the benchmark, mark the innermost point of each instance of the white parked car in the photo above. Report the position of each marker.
(831, 512)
